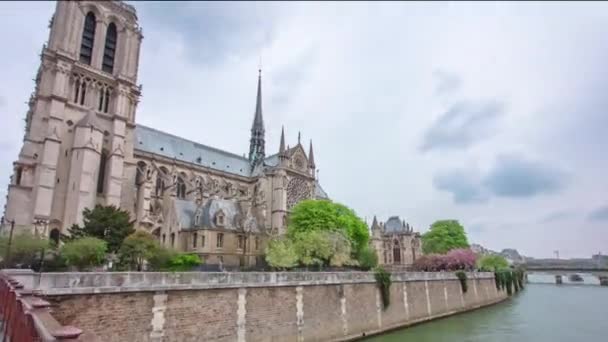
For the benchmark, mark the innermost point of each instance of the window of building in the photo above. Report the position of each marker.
(219, 219)
(109, 49)
(241, 241)
(181, 188)
(80, 91)
(163, 239)
(102, 172)
(194, 240)
(54, 236)
(203, 240)
(18, 175)
(104, 100)
(88, 39)
(257, 243)
(220, 240)
(172, 239)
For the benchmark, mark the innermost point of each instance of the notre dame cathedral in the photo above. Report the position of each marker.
(83, 147)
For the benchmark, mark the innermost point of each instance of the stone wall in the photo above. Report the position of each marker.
(254, 306)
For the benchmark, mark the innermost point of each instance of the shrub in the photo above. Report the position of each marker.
(161, 259)
(26, 249)
(383, 279)
(84, 253)
(280, 253)
(137, 249)
(491, 263)
(457, 259)
(509, 282)
(462, 276)
(367, 258)
(184, 262)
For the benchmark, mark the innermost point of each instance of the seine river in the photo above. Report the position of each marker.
(541, 313)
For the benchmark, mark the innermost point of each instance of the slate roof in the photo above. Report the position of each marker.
(393, 225)
(319, 192)
(154, 141)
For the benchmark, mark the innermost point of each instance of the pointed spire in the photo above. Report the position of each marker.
(311, 157)
(299, 137)
(282, 145)
(258, 121)
(375, 223)
(256, 143)
(282, 151)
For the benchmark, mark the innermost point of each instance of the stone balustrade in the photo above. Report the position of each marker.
(109, 282)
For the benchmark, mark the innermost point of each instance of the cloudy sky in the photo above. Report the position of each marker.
(490, 113)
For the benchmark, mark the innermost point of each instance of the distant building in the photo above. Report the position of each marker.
(395, 242)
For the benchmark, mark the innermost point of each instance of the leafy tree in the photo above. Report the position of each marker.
(367, 258)
(107, 223)
(138, 248)
(161, 259)
(84, 252)
(25, 248)
(492, 263)
(281, 254)
(184, 262)
(322, 248)
(321, 215)
(444, 236)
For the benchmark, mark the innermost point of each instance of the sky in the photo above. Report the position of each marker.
(491, 113)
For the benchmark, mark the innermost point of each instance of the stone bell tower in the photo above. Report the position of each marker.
(78, 143)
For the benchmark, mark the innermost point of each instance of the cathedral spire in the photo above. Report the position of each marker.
(256, 144)
(375, 223)
(282, 145)
(311, 157)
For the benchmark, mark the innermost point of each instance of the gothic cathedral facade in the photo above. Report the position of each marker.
(82, 147)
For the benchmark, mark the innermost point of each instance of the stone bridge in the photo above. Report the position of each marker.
(561, 272)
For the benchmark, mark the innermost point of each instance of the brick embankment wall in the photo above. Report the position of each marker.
(256, 307)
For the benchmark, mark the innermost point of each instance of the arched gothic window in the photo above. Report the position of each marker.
(102, 172)
(88, 38)
(54, 236)
(80, 90)
(181, 188)
(396, 253)
(109, 49)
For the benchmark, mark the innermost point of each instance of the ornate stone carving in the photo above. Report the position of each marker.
(259, 195)
(298, 189)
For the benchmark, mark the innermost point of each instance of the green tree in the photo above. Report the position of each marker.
(136, 249)
(492, 263)
(281, 254)
(161, 259)
(323, 248)
(84, 252)
(321, 215)
(367, 258)
(25, 249)
(107, 223)
(444, 236)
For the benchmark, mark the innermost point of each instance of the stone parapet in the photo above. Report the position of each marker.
(112, 282)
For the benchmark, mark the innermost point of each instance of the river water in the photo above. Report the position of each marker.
(540, 313)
